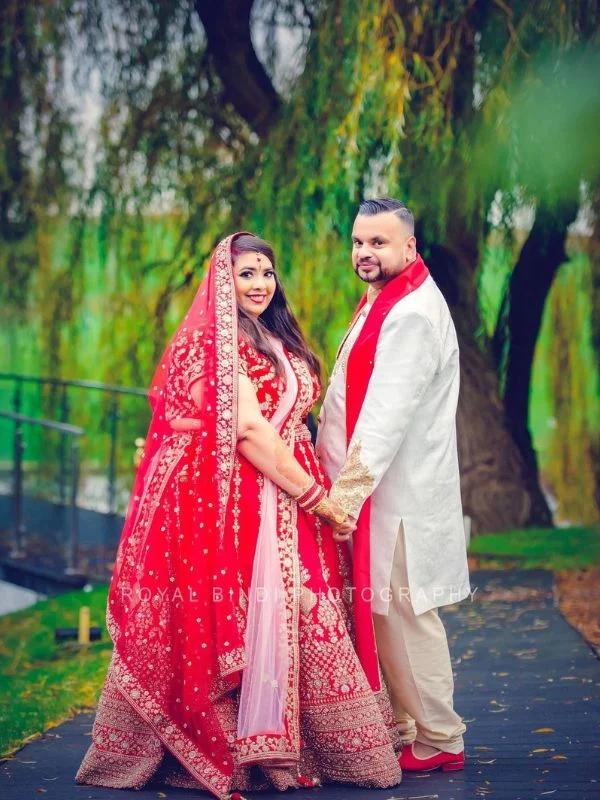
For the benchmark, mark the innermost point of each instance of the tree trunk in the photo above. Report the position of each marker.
(16, 214)
(499, 491)
(246, 85)
(520, 318)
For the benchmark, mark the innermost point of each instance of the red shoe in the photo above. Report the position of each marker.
(307, 783)
(446, 761)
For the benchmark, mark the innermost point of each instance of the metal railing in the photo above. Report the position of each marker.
(19, 528)
(63, 386)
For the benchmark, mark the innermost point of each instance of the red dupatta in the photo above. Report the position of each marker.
(358, 374)
(174, 610)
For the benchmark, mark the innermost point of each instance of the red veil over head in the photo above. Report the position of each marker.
(174, 610)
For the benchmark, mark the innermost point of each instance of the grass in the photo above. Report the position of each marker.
(44, 683)
(549, 548)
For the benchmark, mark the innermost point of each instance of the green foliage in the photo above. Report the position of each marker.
(38, 145)
(385, 103)
(564, 414)
(444, 105)
(572, 450)
(44, 683)
(555, 548)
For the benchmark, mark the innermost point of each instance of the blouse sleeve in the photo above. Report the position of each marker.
(187, 363)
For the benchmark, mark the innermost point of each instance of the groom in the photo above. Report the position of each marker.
(387, 440)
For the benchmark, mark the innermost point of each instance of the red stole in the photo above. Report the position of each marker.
(358, 374)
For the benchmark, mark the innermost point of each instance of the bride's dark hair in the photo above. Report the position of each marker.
(278, 318)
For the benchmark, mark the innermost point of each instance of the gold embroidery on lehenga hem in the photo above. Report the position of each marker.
(354, 483)
(342, 719)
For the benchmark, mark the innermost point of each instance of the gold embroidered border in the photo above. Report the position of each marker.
(354, 483)
(227, 357)
(173, 738)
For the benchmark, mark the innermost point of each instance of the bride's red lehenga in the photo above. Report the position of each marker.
(183, 585)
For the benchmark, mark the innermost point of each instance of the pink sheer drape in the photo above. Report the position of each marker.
(265, 678)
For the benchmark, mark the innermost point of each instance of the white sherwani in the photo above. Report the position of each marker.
(403, 451)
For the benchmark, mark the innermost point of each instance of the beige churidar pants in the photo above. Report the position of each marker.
(415, 660)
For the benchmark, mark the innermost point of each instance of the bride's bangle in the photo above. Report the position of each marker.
(311, 497)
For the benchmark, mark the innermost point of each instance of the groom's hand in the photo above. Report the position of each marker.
(343, 532)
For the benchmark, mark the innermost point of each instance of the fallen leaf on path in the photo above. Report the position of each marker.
(416, 797)
(526, 655)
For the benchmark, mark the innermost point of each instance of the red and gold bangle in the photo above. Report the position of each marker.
(315, 501)
(311, 497)
(308, 494)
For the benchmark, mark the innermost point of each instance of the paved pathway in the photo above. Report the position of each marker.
(527, 685)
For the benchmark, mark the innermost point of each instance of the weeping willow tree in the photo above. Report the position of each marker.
(427, 101)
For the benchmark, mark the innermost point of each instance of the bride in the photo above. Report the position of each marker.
(233, 665)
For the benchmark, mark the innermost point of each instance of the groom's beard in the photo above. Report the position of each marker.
(373, 275)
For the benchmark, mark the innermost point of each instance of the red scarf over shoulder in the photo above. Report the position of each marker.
(358, 374)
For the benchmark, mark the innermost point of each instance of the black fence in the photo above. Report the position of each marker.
(19, 529)
(67, 450)
(112, 416)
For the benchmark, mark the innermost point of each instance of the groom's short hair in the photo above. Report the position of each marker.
(381, 205)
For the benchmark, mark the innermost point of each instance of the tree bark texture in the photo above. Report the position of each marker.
(500, 490)
(246, 84)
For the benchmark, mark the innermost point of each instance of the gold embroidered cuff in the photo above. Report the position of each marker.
(354, 483)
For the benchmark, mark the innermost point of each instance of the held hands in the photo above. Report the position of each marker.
(315, 500)
(332, 513)
(343, 532)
